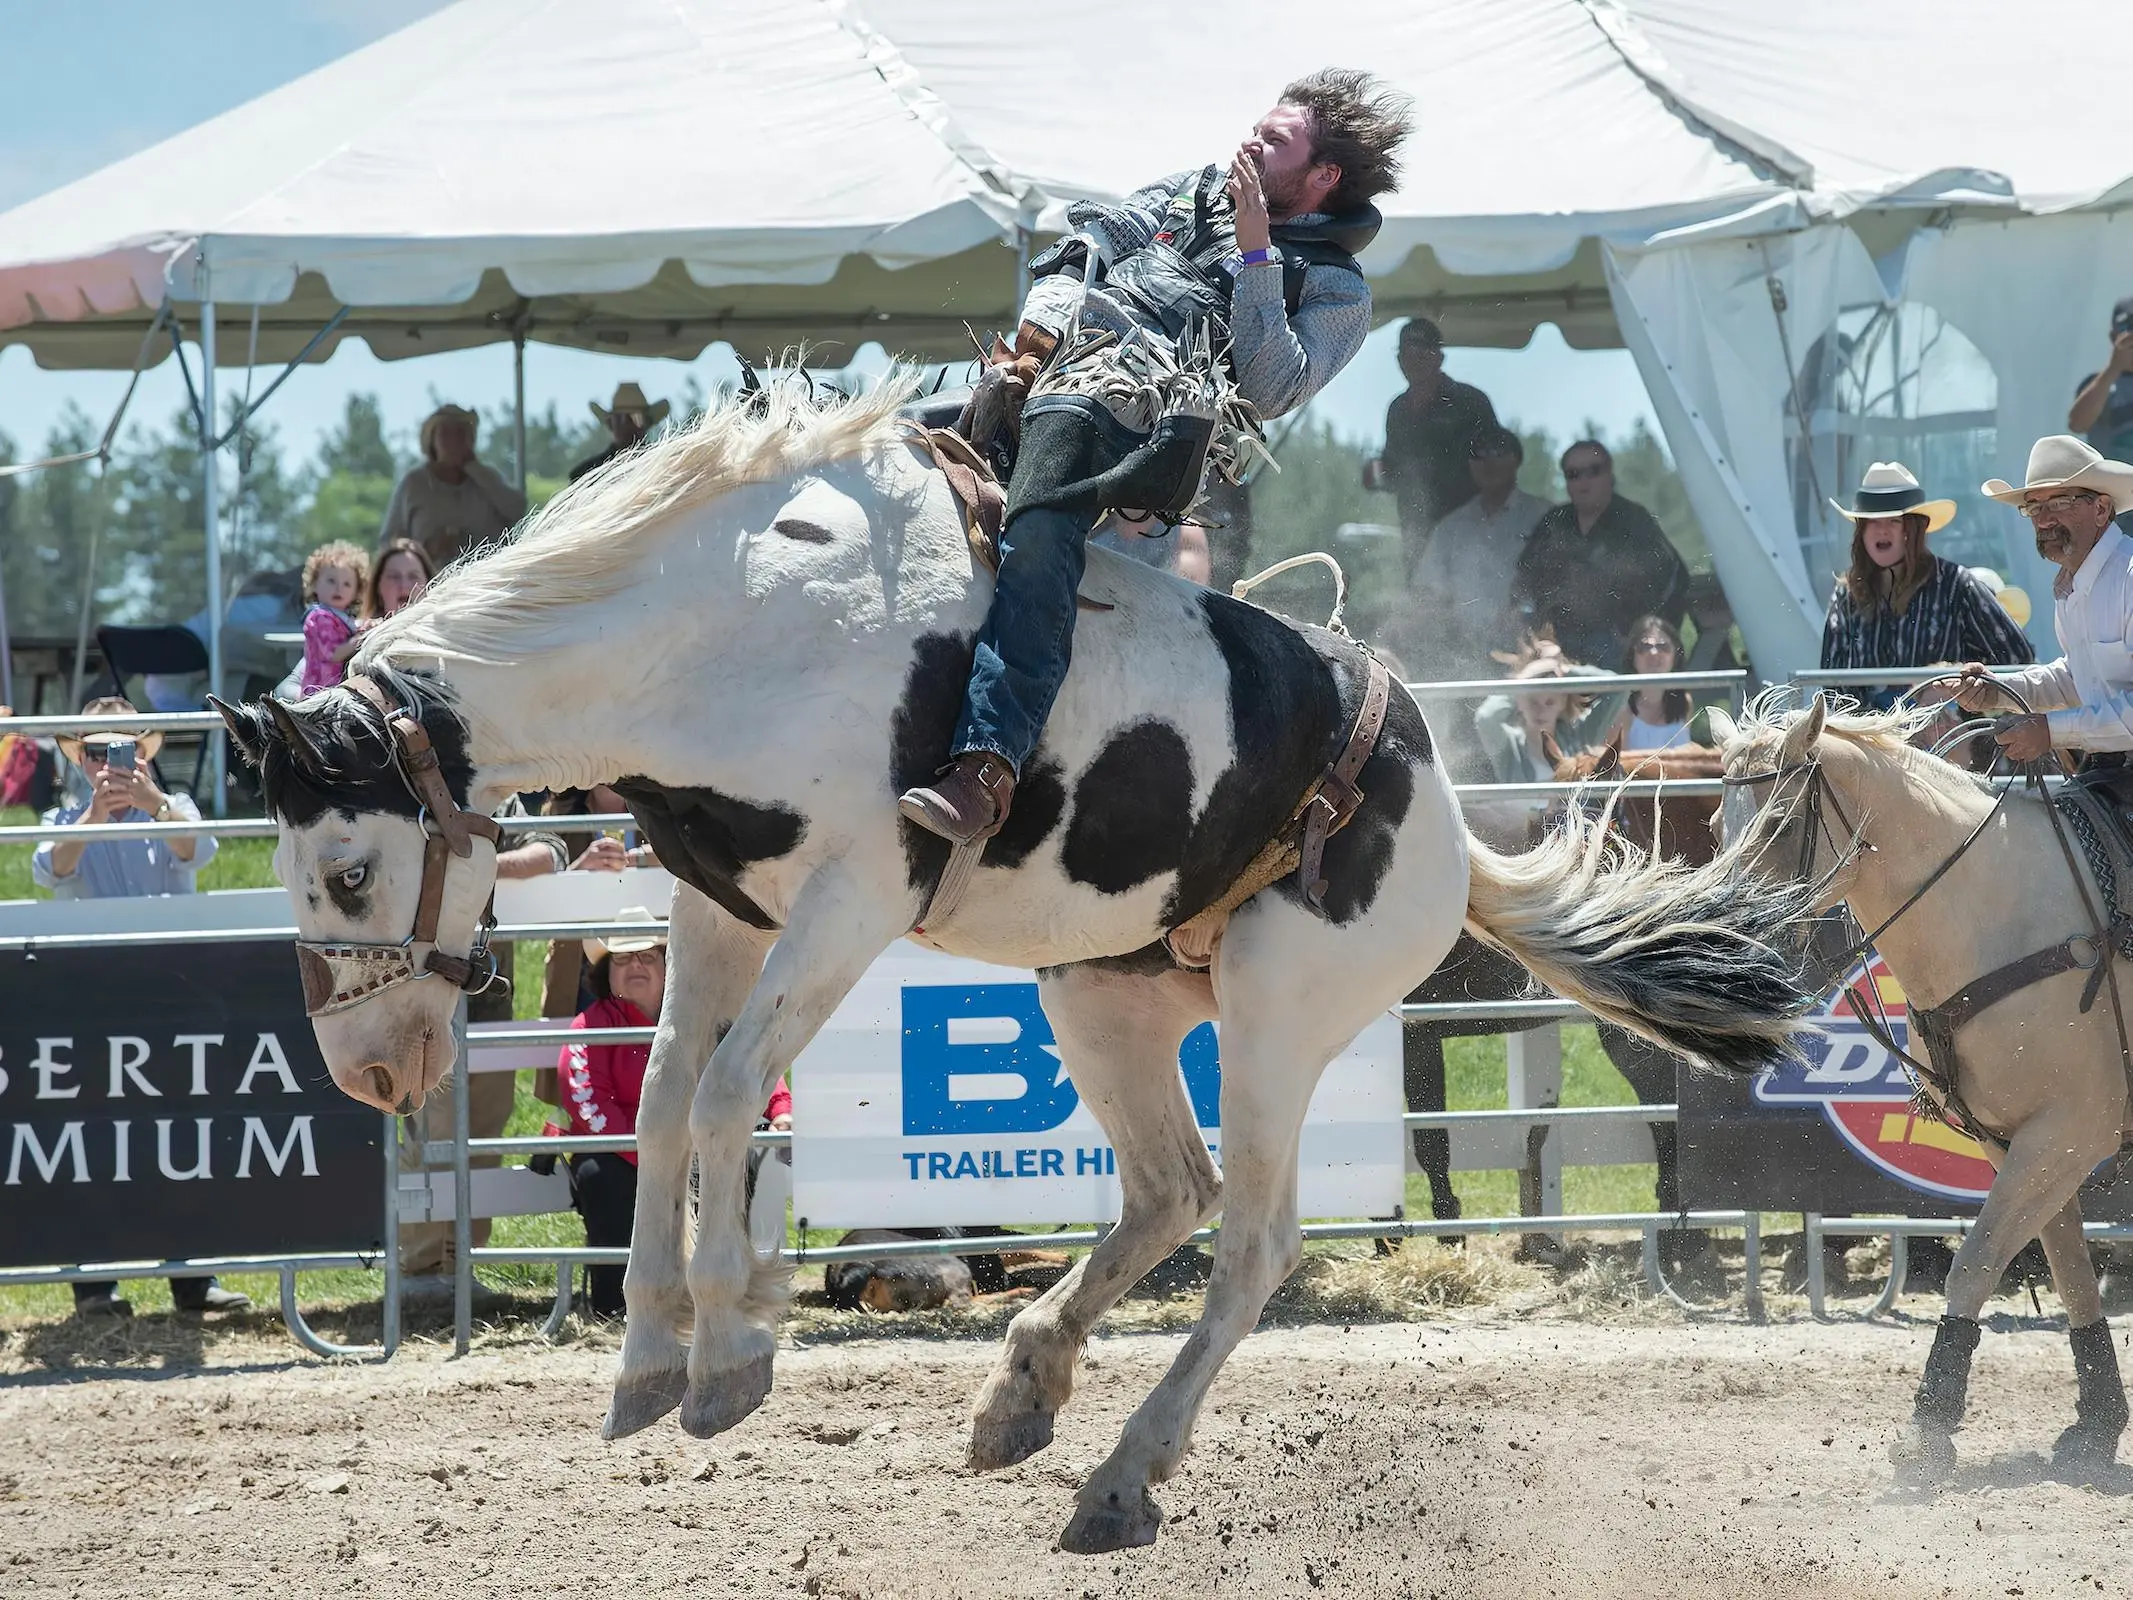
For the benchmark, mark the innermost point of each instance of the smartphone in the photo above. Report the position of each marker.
(121, 753)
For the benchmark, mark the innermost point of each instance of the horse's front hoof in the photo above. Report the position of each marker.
(1112, 1526)
(2083, 1454)
(1922, 1456)
(994, 1445)
(641, 1399)
(705, 1412)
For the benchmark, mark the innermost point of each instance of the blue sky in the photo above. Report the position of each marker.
(86, 83)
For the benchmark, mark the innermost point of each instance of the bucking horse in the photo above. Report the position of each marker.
(758, 630)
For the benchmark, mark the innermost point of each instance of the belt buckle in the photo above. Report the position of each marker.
(2095, 950)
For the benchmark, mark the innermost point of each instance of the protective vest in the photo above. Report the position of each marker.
(1185, 273)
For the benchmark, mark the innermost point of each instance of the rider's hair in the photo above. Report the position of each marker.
(1358, 125)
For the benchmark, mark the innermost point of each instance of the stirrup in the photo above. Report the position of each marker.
(955, 881)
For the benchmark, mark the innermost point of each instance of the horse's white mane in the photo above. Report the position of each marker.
(1770, 714)
(1765, 719)
(575, 548)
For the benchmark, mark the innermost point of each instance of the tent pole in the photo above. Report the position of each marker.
(211, 515)
(7, 650)
(1014, 314)
(518, 405)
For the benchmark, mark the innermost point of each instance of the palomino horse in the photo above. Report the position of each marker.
(1679, 828)
(1845, 802)
(758, 630)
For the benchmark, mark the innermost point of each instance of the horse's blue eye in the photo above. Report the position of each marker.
(354, 877)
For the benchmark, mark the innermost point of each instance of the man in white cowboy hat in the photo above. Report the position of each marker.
(453, 501)
(628, 418)
(2084, 700)
(1898, 604)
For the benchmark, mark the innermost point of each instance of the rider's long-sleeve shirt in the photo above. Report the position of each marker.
(1281, 361)
(2088, 692)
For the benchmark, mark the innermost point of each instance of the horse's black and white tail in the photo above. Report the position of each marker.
(1701, 960)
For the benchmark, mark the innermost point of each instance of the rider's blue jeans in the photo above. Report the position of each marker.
(1028, 639)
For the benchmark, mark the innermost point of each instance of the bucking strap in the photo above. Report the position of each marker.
(1300, 844)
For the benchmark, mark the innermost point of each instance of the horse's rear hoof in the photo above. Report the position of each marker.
(641, 1399)
(1098, 1529)
(1922, 1456)
(2081, 1454)
(994, 1445)
(713, 1411)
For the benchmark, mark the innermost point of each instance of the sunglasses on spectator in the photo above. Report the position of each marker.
(95, 754)
(622, 958)
(1597, 469)
(1654, 647)
(2058, 504)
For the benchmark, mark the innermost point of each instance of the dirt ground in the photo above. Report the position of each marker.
(1472, 1455)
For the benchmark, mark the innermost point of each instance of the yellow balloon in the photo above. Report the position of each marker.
(2016, 603)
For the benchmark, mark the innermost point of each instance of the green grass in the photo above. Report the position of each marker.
(1474, 1081)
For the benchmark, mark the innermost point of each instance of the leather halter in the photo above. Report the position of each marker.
(339, 975)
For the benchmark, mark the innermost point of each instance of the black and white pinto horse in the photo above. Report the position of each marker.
(759, 630)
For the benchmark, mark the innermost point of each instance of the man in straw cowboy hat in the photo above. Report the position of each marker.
(452, 502)
(2084, 700)
(121, 789)
(628, 418)
(1900, 605)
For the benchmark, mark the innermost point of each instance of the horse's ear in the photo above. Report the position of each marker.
(245, 731)
(1607, 760)
(302, 747)
(1805, 730)
(1723, 727)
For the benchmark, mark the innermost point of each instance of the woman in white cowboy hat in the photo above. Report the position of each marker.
(1899, 604)
(627, 419)
(603, 1084)
(2084, 700)
(452, 502)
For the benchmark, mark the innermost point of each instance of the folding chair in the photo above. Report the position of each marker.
(167, 651)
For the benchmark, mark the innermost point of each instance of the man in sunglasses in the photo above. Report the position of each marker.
(2084, 700)
(1596, 564)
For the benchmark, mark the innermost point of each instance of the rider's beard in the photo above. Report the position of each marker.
(2052, 542)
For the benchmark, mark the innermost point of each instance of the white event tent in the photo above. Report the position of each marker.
(1827, 230)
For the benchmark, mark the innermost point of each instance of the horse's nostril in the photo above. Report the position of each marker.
(381, 1084)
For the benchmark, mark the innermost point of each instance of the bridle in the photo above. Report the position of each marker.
(337, 975)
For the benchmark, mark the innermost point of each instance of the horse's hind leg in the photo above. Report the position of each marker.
(837, 926)
(2045, 1162)
(1118, 1034)
(711, 961)
(2091, 1444)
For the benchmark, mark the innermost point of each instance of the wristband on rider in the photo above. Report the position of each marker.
(1258, 258)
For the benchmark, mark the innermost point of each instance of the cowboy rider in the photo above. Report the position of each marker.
(1266, 246)
(2083, 700)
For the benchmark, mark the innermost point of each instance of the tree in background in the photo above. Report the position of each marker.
(350, 484)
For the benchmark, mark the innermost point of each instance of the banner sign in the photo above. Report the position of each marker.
(936, 1096)
(1834, 1131)
(171, 1102)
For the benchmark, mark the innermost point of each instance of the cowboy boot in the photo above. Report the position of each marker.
(967, 801)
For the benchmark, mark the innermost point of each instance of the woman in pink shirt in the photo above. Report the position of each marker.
(603, 1083)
